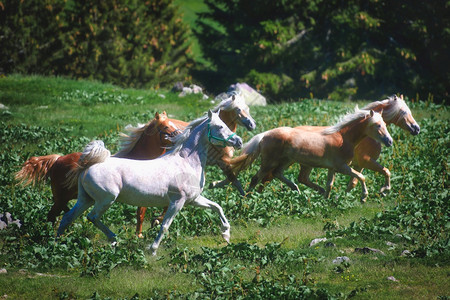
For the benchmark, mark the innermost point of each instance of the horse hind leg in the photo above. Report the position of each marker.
(95, 215)
(140, 215)
(373, 165)
(203, 202)
(158, 220)
(83, 203)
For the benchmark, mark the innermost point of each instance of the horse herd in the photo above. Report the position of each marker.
(162, 163)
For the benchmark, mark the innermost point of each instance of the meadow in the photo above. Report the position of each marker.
(269, 256)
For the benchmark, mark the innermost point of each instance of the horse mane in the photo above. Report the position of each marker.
(179, 139)
(128, 141)
(228, 103)
(392, 107)
(347, 119)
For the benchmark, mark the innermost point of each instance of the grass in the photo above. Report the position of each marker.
(47, 115)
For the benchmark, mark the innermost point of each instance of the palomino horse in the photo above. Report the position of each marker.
(149, 141)
(394, 111)
(233, 111)
(330, 147)
(175, 179)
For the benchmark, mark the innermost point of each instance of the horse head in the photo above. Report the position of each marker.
(166, 128)
(404, 118)
(238, 112)
(377, 129)
(219, 134)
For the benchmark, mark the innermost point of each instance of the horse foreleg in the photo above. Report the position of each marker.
(140, 215)
(373, 165)
(346, 170)
(303, 177)
(262, 173)
(353, 181)
(330, 181)
(206, 203)
(173, 209)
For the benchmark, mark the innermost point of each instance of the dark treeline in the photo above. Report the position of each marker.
(288, 49)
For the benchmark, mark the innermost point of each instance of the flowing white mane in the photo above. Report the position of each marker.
(179, 139)
(229, 104)
(347, 119)
(392, 107)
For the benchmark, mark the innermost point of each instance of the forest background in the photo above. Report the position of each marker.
(288, 49)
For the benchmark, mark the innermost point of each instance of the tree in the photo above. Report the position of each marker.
(329, 49)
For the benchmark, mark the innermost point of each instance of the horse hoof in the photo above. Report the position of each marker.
(384, 190)
(364, 199)
(114, 244)
(226, 236)
(140, 235)
(155, 223)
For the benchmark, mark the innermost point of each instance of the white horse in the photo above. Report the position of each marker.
(175, 179)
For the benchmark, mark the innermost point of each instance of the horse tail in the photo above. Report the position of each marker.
(249, 153)
(95, 152)
(36, 169)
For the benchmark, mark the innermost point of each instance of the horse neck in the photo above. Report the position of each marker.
(148, 146)
(382, 108)
(354, 132)
(195, 148)
(229, 118)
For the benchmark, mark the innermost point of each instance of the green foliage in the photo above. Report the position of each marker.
(266, 259)
(328, 49)
(131, 43)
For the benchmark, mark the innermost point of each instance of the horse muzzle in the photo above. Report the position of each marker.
(236, 142)
(249, 124)
(414, 129)
(388, 141)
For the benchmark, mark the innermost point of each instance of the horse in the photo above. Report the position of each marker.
(394, 110)
(327, 147)
(145, 142)
(233, 111)
(175, 179)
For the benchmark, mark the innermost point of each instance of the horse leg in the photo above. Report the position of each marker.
(263, 172)
(346, 170)
(203, 202)
(97, 212)
(140, 214)
(268, 178)
(158, 220)
(219, 184)
(373, 165)
(279, 173)
(172, 210)
(353, 181)
(330, 181)
(303, 177)
(83, 203)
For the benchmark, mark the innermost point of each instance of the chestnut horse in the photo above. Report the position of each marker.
(146, 142)
(328, 147)
(233, 112)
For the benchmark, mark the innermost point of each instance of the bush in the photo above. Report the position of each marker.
(129, 43)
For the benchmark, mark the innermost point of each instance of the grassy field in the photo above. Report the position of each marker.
(269, 256)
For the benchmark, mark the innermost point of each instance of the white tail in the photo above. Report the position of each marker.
(249, 153)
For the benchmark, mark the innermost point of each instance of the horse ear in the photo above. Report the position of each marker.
(233, 97)
(164, 113)
(401, 96)
(157, 116)
(210, 114)
(371, 113)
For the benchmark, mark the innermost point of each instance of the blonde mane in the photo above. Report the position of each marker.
(392, 107)
(230, 103)
(348, 119)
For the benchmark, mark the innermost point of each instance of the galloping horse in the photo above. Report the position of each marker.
(328, 147)
(175, 179)
(149, 141)
(232, 111)
(394, 111)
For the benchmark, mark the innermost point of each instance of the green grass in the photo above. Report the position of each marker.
(56, 115)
